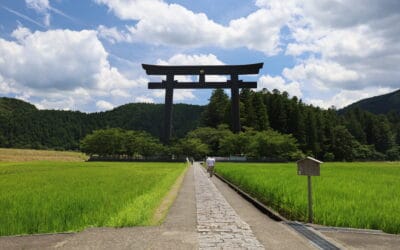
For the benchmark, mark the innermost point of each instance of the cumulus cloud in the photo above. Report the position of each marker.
(161, 23)
(323, 75)
(355, 39)
(340, 49)
(349, 49)
(63, 74)
(77, 59)
(347, 97)
(336, 44)
(185, 59)
(104, 105)
(270, 83)
(144, 99)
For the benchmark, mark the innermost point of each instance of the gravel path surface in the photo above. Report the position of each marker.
(218, 225)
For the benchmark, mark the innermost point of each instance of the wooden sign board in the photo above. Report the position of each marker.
(309, 166)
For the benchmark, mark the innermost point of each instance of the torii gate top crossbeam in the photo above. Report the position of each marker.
(202, 70)
(246, 69)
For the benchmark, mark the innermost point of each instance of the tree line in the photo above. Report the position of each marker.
(117, 143)
(325, 134)
(266, 116)
(24, 126)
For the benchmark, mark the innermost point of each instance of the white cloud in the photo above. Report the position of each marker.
(355, 41)
(21, 33)
(271, 83)
(37, 61)
(347, 97)
(42, 7)
(68, 73)
(343, 50)
(113, 35)
(104, 105)
(119, 93)
(185, 59)
(183, 95)
(38, 5)
(144, 99)
(323, 75)
(161, 23)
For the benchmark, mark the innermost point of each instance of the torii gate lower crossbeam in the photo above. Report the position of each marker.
(170, 84)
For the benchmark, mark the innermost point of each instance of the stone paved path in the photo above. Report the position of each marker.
(218, 225)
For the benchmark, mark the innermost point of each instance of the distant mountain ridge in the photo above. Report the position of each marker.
(22, 125)
(381, 104)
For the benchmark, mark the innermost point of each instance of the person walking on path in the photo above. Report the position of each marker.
(210, 165)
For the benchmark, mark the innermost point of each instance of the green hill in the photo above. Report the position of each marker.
(24, 126)
(382, 104)
(9, 105)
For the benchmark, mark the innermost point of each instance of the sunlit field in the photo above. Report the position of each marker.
(18, 155)
(359, 195)
(42, 197)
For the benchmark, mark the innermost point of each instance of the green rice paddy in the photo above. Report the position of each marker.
(42, 197)
(358, 195)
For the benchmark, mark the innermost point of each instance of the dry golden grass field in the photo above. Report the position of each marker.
(19, 155)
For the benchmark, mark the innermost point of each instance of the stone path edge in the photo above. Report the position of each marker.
(162, 210)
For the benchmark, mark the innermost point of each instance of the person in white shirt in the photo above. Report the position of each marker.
(210, 165)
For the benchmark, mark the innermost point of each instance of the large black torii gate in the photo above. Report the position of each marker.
(201, 70)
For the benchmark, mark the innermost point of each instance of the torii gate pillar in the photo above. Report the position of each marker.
(235, 104)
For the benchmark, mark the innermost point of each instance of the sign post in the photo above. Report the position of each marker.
(309, 167)
(310, 210)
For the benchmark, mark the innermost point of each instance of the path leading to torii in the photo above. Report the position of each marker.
(218, 225)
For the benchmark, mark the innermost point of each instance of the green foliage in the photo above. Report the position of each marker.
(318, 132)
(117, 142)
(393, 154)
(23, 126)
(273, 145)
(269, 145)
(342, 144)
(358, 195)
(43, 197)
(235, 144)
(211, 136)
(191, 147)
(214, 113)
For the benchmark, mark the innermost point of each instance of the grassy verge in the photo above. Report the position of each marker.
(360, 195)
(42, 197)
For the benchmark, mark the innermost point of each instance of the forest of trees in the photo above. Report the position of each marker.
(353, 135)
(24, 126)
(274, 126)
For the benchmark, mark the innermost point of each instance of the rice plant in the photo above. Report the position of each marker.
(42, 197)
(359, 195)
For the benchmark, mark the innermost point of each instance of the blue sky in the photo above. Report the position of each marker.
(86, 55)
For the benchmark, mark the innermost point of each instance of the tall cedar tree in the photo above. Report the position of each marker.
(247, 112)
(214, 114)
